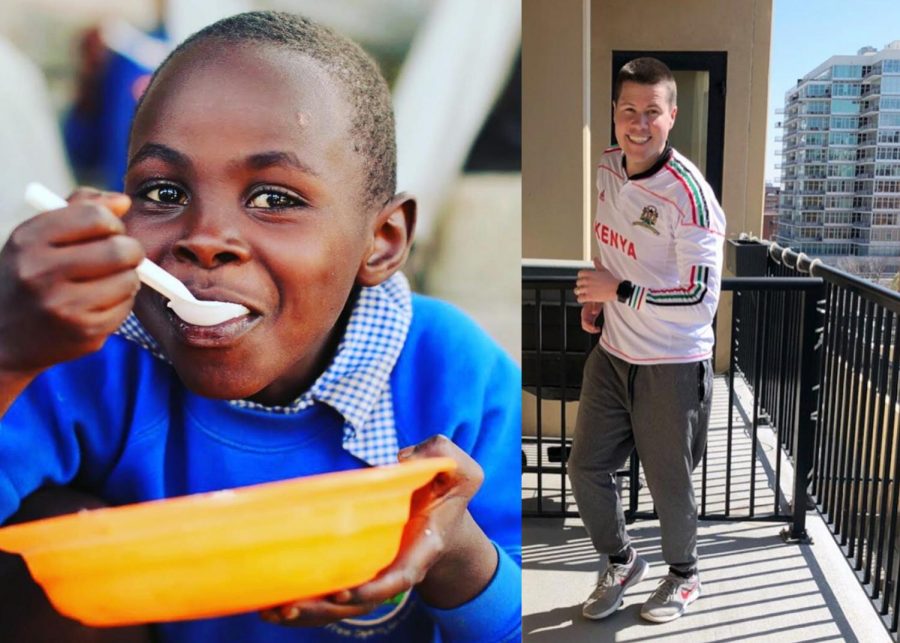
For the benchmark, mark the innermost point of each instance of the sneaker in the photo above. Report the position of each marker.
(607, 597)
(671, 598)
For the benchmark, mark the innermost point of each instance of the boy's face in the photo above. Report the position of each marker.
(643, 116)
(246, 187)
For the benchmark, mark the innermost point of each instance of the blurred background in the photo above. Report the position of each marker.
(71, 72)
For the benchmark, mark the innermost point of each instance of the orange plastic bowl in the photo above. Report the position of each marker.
(223, 552)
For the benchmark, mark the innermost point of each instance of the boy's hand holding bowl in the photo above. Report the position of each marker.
(444, 555)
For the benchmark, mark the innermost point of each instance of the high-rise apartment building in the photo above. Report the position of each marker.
(840, 168)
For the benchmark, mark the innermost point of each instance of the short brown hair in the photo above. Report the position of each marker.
(645, 71)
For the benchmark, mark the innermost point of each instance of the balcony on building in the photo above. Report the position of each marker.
(797, 398)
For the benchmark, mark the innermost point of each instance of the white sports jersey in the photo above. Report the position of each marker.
(662, 230)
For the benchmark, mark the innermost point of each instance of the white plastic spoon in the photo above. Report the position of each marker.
(185, 305)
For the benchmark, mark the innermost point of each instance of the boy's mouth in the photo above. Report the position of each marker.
(217, 336)
(638, 140)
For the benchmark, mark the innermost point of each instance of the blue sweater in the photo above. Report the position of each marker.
(119, 423)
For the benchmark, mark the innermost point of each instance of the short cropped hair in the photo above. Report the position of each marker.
(357, 74)
(645, 71)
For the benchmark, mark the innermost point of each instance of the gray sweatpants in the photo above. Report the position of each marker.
(663, 411)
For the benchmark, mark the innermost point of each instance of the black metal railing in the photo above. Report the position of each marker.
(554, 350)
(856, 444)
(776, 327)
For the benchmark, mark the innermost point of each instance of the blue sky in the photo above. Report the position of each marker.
(805, 34)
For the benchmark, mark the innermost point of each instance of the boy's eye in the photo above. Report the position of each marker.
(167, 194)
(274, 200)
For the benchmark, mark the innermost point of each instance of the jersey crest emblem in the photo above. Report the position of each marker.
(648, 218)
(602, 195)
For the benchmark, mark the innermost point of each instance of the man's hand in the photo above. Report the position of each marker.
(443, 552)
(589, 313)
(595, 285)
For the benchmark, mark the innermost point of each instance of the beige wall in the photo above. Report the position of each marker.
(552, 117)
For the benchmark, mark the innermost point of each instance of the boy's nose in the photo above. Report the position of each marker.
(209, 248)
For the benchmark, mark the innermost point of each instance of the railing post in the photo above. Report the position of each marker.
(806, 419)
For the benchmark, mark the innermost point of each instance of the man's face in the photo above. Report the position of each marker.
(643, 116)
(246, 187)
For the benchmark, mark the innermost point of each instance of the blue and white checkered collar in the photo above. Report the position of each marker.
(357, 383)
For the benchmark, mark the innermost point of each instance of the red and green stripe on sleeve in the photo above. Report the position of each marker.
(688, 295)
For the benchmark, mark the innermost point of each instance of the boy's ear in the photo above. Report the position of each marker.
(392, 235)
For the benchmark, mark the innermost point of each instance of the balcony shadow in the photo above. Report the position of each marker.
(755, 587)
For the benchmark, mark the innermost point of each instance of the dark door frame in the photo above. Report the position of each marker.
(714, 62)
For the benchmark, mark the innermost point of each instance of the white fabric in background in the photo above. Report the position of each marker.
(30, 140)
(459, 63)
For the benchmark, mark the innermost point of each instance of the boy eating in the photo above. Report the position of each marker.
(261, 171)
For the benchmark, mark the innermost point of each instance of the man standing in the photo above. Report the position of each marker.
(648, 383)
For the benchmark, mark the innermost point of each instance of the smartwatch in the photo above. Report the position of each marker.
(624, 291)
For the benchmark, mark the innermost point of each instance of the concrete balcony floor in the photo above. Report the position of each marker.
(755, 587)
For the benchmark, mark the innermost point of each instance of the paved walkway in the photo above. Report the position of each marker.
(756, 587)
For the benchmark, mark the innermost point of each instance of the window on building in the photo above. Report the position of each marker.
(839, 185)
(841, 154)
(845, 122)
(815, 123)
(845, 106)
(846, 71)
(845, 89)
(840, 233)
(843, 138)
(839, 218)
(816, 90)
(816, 155)
(839, 170)
(817, 107)
(811, 202)
(885, 234)
(888, 154)
(887, 169)
(814, 139)
(886, 203)
(844, 202)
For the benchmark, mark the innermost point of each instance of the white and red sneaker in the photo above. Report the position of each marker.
(607, 596)
(671, 598)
